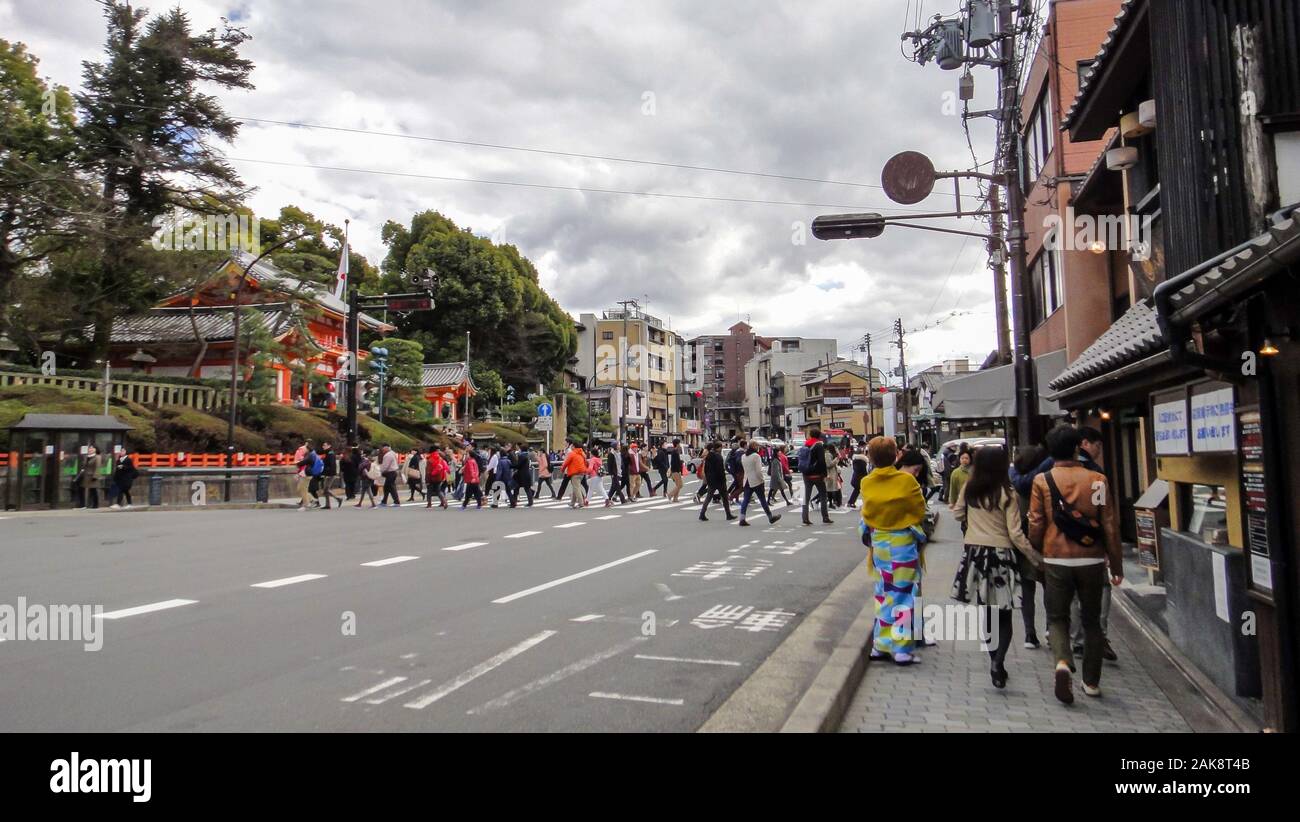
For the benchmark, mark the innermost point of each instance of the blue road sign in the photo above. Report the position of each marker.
(545, 409)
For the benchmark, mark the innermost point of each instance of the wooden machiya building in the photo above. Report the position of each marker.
(191, 334)
(1196, 384)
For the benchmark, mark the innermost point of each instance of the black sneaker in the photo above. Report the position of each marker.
(1108, 652)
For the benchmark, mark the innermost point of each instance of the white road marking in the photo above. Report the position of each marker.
(276, 583)
(390, 561)
(587, 618)
(464, 546)
(374, 689)
(610, 516)
(147, 609)
(569, 525)
(522, 534)
(726, 662)
(550, 679)
(478, 671)
(399, 692)
(632, 698)
(571, 577)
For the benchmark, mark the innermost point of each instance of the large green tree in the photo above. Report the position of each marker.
(313, 257)
(42, 199)
(147, 132)
(492, 291)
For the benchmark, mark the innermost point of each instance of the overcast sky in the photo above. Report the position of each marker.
(816, 90)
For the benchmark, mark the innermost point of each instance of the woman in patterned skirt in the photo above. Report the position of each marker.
(990, 570)
(893, 509)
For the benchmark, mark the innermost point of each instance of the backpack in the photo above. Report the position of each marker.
(803, 459)
(317, 465)
(1069, 521)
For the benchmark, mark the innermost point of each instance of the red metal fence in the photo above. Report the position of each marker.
(183, 460)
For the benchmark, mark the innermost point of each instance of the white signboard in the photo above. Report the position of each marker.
(1214, 422)
(1170, 427)
(544, 424)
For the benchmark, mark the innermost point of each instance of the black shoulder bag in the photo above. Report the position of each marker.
(1074, 525)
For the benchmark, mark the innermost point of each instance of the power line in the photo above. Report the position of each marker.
(534, 150)
(582, 189)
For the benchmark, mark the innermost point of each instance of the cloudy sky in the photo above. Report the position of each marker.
(813, 90)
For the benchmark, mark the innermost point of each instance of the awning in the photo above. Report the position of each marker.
(991, 393)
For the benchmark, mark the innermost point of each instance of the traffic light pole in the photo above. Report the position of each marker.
(354, 327)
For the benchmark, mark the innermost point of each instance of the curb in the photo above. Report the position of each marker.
(822, 708)
(763, 703)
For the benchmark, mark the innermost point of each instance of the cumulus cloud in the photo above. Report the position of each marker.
(785, 88)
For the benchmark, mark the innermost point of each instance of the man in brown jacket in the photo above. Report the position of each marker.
(1073, 567)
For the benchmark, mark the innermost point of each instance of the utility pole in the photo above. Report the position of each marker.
(871, 389)
(1009, 96)
(622, 417)
(999, 259)
(907, 394)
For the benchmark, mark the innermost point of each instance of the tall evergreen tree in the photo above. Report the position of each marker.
(146, 131)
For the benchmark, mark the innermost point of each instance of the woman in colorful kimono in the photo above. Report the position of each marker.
(893, 510)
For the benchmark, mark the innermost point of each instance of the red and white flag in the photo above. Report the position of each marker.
(341, 281)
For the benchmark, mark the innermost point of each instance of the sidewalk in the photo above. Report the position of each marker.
(950, 690)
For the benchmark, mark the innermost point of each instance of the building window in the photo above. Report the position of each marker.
(1084, 70)
(1049, 293)
(1038, 139)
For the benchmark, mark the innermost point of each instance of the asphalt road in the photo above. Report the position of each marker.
(636, 618)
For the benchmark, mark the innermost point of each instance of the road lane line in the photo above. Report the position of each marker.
(478, 671)
(552, 678)
(632, 698)
(380, 700)
(147, 609)
(390, 561)
(464, 546)
(277, 583)
(726, 662)
(521, 534)
(610, 516)
(587, 618)
(374, 689)
(569, 525)
(571, 577)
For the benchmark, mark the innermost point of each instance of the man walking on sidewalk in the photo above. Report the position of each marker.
(388, 468)
(1071, 523)
(715, 481)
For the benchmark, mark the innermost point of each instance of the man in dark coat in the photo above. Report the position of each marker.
(715, 481)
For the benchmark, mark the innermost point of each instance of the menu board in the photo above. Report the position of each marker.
(1254, 490)
(1147, 530)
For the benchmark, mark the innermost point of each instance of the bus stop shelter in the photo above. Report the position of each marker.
(46, 452)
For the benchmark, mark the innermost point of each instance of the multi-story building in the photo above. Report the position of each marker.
(717, 366)
(840, 399)
(628, 361)
(769, 376)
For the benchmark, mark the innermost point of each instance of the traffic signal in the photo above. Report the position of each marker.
(379, 361)
(698, 395)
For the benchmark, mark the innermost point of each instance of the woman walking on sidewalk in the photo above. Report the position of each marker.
(544, 474)
(369, 476)
(779, 470)
(893, 510)
(991, 510)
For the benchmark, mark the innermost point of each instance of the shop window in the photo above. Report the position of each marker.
(1204, 512)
